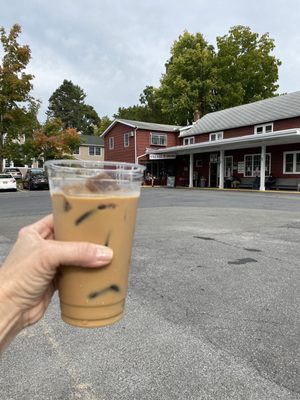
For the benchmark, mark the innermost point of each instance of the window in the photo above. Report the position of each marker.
(111, 143)
(94, 150)
(215, 136)
(228, 166)
(158, 139)
(76, 151)
(188, 140)
(291, 162)
(126, 139)
(252, 164)
(266, 128)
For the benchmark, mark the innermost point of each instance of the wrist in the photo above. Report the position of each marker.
(10, 319)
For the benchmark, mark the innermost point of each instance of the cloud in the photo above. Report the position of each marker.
(114, 49)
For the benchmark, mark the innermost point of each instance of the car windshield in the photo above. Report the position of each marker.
(38, 173)
(12, 170)
(5, 176)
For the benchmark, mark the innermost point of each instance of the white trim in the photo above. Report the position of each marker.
(264, 128)
(218, 136)
(159, 135)
(248, 141)
(111, 143)
(295, 152)
(126, 139)
(256, 154)
(189, 140)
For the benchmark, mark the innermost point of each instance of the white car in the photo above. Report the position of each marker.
(7, 182)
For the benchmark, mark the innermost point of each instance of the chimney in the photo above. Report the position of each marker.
(196, 115)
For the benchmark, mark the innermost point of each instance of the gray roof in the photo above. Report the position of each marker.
(259, 112)
(143, 125)
(91, 140)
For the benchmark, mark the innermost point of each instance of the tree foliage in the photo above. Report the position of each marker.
(245, 69)
(67, 104)
(199, 77)
(104, 123)
(18, 109)
(53, 141)
(188, 82)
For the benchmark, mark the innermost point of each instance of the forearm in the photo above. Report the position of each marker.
(10, 320)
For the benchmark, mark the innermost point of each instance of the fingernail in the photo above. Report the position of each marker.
(104, 253)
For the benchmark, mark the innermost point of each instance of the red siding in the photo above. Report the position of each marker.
(127, 154)
(119, 153)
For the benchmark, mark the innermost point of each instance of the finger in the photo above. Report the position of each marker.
(81, 254)
(44, 227)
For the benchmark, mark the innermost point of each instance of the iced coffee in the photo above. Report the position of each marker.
(99, 209)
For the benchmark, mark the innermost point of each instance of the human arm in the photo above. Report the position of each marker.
(27, 276)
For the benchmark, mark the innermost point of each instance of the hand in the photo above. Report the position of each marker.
(27, 277)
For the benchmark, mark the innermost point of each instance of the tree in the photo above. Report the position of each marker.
(18, 109)
(104, 123)
(67, 104)
(198, 77)
(53, 141)
(245, 69)
(189, 80)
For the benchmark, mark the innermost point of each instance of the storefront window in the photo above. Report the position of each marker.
(252, 164)
(292, 162)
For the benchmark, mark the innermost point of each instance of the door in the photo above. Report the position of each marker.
(213, 174)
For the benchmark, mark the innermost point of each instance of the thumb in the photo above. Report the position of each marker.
(81, 254)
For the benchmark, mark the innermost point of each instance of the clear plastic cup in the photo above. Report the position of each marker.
(95, 201)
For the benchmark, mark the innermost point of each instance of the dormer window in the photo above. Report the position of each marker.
(266, 128)
(188, 140)
(215, 136)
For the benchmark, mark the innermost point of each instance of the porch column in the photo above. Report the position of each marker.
(191, 174)
(221, 172)
(262, 167)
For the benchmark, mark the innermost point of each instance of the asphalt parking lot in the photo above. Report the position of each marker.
(212, 310)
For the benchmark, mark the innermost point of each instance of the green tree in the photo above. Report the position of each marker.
(18, 109)
(246, 71)
(104, 123)
(189, 80)
(149, 109)
(67, 104)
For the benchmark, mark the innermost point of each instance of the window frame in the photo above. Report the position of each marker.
(254, 165)
(159, 136)
(75, 152)
(111, 143)
(226, 158)
(218, 136)
(263, 126)
(189, 140)
(93, 150)
(126, 139)
(294, 153)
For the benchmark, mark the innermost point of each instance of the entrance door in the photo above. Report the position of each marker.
(213, 174)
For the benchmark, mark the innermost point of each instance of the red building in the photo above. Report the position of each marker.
(130, 141)
(240, 141)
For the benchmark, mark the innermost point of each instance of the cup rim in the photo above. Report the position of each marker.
(91, 164)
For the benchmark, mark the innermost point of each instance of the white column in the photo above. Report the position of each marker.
(262, 167)
(221, 171)
(191, 170)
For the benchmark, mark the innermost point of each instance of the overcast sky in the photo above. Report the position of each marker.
(113, 49)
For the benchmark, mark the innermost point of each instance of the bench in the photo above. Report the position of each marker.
(247, 183)
(287, 184)
(280, 184)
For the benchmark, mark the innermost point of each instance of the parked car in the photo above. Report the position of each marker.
(7, 182)
(36, 178)
(13, 171)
